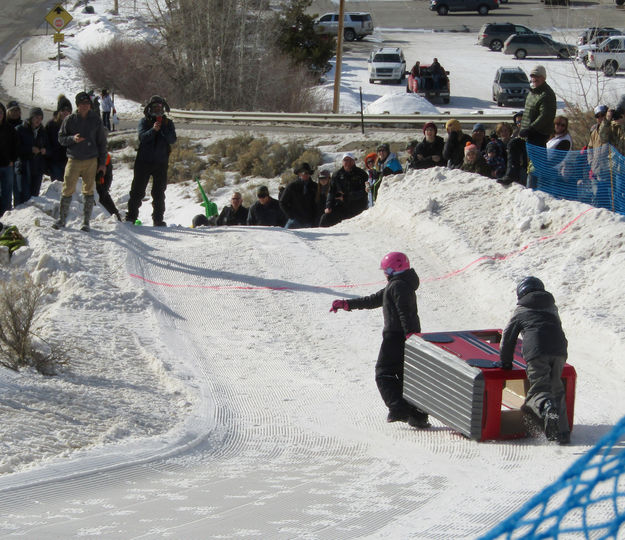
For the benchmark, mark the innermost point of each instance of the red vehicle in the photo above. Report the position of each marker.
(424, 85)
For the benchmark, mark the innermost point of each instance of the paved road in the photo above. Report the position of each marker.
(20, 18)
(416, 14)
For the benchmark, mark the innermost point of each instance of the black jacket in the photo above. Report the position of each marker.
(8, 143)
(155, 146)
(398, 301)
(228, 216)
(352, 185)
(536, 317)
(29, 138)
(427, 150)
(58, 152)
(268, 214)
(453, 151)
(298, 201)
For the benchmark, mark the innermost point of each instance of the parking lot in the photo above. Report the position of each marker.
(415, 14)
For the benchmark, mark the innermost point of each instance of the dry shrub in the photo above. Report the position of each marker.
(184, 162)
(20, 308)
(580, 123)
(134, 69)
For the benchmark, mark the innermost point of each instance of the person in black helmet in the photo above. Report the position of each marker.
(544, 351)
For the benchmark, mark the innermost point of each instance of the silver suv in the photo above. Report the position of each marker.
(510, 86)
(356, 25)
(387, 64)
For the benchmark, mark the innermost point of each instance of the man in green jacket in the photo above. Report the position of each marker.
(540, 109)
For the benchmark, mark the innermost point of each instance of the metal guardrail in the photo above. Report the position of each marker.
(334, 119)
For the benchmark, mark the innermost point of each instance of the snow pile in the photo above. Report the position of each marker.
(401, 103)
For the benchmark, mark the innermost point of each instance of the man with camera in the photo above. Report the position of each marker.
(156, 135)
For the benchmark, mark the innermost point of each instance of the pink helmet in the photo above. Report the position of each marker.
(394, 263)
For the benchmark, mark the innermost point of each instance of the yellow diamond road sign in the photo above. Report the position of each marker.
(58, 18)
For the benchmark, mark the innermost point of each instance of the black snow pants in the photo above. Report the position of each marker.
(142, 172)
(389, 372)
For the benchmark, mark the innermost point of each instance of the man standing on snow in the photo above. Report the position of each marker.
(84, 136)
(156, 135)
(398, 301)
(545, 353)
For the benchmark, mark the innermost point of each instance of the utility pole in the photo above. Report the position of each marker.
(339, 59)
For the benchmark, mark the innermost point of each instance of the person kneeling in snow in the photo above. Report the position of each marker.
(401, 319)
(545, 353)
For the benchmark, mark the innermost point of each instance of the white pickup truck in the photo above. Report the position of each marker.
(609, 56)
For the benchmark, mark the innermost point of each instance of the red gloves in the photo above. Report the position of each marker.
(339, 304)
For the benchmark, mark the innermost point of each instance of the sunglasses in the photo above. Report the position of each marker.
(235, 199)
(263, 196)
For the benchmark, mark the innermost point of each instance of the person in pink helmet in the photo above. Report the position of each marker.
(398, 301)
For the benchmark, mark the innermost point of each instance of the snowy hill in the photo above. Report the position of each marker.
(211, 352)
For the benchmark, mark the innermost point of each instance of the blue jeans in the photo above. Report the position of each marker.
(6, 188)
(294, 224)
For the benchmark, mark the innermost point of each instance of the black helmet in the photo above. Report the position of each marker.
(527, 285)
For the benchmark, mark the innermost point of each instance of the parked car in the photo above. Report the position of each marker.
(387, 64)
(522, 46)
(583, 51)
(443, 7)
(356, 25)
(424, 86)
(493, 35)
(597, 34)
(510, 86)
(608, 57)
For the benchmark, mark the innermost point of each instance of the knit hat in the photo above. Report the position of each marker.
(304, 167)
(470, 147)
(492, 147)
(35, 111)
(539, 70)
(430, 125)
(12, 105)
(372, 156)
(348, 155)
(63, 104)
(82, 97)
(324, 173)
(479, 127)
(384, 146)
(453, 125)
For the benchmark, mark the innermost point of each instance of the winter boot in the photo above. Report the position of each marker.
(397, 415)
(551, 419)
(64, 210)
(419, 420)
(87, 208)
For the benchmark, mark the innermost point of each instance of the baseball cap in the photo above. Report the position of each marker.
(82, 97)
(479, 127)
(539, 71)
(348, 155)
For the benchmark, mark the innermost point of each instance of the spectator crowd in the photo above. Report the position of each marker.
(73, 145)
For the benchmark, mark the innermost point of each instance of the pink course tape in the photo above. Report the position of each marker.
(446, 276)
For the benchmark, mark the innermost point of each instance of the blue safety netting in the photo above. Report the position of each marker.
(587, 501)
(594, 176)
